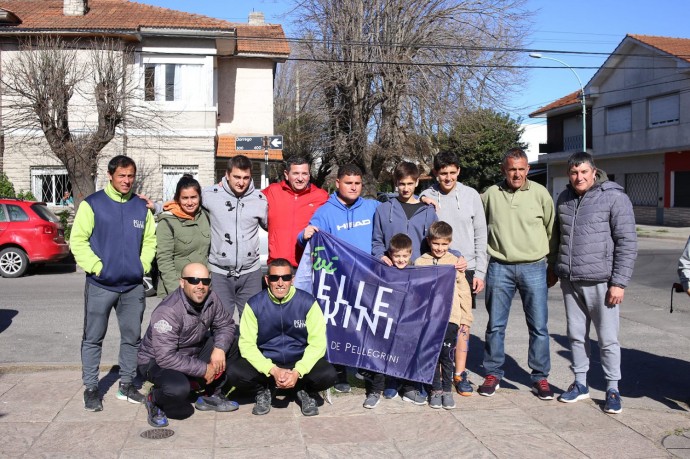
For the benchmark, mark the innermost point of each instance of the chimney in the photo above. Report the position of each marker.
(255, 18)
(75, 7)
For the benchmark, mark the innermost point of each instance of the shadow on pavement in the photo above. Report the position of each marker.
(663, 379)
(6, 316)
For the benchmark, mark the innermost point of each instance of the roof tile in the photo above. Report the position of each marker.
(679, 47)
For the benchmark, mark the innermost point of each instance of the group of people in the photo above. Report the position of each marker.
(510, 238)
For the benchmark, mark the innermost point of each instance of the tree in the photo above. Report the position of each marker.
(78, 94)
(388, 69)
(480, 138)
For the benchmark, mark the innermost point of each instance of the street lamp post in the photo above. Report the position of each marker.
(582, 91)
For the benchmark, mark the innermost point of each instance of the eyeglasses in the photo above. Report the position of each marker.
(196, 280)
(275, 277)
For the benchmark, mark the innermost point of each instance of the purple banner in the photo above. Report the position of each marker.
(380, 318)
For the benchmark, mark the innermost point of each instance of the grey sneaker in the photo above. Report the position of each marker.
(216, 402)
(129, 393)
(436, 400)
(263, 402)
(414, 397)
(309, 407)
(372, 400)
(447, 401)
(92, 401)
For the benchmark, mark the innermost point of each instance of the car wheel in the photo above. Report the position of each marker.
(13, 262)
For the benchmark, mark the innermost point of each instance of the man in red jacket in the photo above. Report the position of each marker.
(291, 203)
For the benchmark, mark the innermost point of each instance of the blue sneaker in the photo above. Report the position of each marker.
(462, 384)
(156, 417)
(575, 392)
(613, 402)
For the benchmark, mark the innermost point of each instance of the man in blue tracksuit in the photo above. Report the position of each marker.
(349, 217)
(114, 241)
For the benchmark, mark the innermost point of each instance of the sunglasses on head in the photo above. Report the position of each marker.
(275, 277)
(196, 280)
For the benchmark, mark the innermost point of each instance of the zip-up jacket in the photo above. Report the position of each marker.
(289, 213)
(235, 222)
(684, 267)
(461, 312)
(177, 332)
(113, 239)
(390, 219)
(462, 209)
(274, 331)
(353, 224)
(598, 241)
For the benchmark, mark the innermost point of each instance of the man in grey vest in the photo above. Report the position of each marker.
(596, 256)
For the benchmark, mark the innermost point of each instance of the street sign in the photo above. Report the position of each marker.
(254, 143)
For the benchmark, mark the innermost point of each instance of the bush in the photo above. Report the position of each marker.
(64, 219)
(26, 195)
(6, 187)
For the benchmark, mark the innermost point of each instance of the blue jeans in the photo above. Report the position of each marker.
(501, 282)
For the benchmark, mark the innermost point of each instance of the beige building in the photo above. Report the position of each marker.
(210, 81)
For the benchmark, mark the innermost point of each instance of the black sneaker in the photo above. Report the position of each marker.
(92, 402)
(216, 402)
(156, 417)
(309, 407)
(542, 389)
(342, 385)
(489, 386)
(263, 402)
(129, 393)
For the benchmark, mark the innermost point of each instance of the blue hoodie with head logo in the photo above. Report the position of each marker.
(353, 224)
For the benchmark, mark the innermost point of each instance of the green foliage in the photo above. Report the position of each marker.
(6, 187)
(26, 195)
(480, 139)
(64, 221)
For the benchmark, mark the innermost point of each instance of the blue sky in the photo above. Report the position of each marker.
(592, 26)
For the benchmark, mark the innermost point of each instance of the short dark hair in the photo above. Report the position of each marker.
(186, 181)
(579, 158)
(240, 162)
(445, 159)
(349, 169)
(405, 169)
(295, 161)
(120, 161)
(278, 262)
(440, 230)
(514, 153)
(399, 242)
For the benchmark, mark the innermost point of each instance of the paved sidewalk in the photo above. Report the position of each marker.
(663, 232)
(42, 415)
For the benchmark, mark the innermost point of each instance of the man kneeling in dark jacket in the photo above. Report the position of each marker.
(282, 343)
(187, 345)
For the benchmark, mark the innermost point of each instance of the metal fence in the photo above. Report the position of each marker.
(643, 188)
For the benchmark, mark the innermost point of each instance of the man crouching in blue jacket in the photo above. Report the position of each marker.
(190, 338)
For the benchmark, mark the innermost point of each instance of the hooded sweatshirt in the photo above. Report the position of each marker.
(390, 219)
(353, 224)
(235, 224)
(462, 209)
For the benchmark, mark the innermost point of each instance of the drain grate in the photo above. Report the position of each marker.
(157, 434)
(678, 445)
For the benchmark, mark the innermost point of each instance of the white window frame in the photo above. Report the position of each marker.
(664, 110)
(172, 174)
(200, 98)
(37, 188)
(619, 119)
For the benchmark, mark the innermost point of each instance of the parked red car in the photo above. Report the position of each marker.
(29, 233)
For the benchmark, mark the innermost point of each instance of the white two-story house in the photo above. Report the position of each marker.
(638, 126)
(210, 80)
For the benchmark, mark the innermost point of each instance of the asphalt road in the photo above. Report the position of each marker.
(41, 319)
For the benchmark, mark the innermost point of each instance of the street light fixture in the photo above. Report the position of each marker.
(582, 91)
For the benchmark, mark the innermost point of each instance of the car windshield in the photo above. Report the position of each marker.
(43, 212)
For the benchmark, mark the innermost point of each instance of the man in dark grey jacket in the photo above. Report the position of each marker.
(190, 338)
(596, 256)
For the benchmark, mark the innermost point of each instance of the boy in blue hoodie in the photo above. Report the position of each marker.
(349, 217)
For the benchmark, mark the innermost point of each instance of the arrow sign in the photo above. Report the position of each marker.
(276, 142)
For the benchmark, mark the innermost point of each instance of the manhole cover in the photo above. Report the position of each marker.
(157, 434)
(678, 445)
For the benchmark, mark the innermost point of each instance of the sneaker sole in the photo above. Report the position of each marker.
(610, 411)
(371, 407)
(342, 391)
(465, 394)
(449, 407)
(436, 407)
(123, 397)
(216, 409)
(578, 398)
(256, 413)
(153, 424)
(93, 410)
(542, 397)
(487, 394)
(409, 400)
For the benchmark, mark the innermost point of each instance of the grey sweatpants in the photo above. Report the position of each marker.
(585, 302)
(235, 291)
(129, 307)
